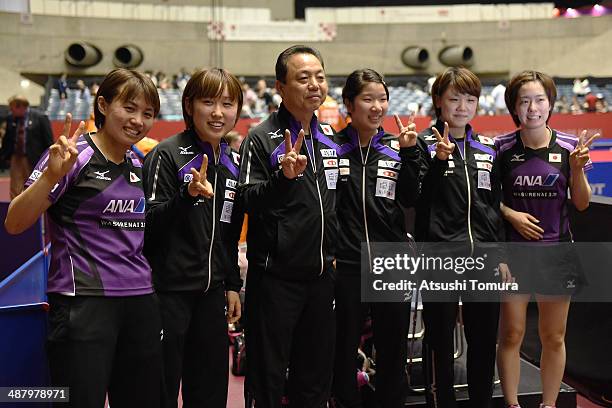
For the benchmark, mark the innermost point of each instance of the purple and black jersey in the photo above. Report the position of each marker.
(536, 181)
(97, 221)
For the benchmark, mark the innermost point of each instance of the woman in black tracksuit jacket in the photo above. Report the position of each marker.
(377, 177)
(459, 203)
(192, 229)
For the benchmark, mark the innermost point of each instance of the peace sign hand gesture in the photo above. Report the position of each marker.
(199, 184)
(293, 163)
(407, 134)
(63, 153)
(580, 156)
(444, 147)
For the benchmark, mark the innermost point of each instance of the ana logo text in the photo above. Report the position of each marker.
(125, 206)
(529, 181)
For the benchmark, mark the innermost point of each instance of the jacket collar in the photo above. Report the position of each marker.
(468, 131)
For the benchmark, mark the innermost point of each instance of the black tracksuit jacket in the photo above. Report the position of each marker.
(191, 242)
(372, 197)
(459, 197)
(292, 223)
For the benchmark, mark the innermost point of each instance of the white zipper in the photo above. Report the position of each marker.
(434, 388)
(469, 194)
(314, 169)
(212, 238)
(364, 161)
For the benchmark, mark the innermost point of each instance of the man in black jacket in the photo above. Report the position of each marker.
(28, 134)
(288, 175)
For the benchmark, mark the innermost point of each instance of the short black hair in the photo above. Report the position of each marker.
(358, 80)
(283, 58)
(125, 84)
(522, 78)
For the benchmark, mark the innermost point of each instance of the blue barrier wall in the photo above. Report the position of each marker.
(23, 319)
(17, 249)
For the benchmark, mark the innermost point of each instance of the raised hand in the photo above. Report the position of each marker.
(444, 147)
(63, 153)
(580, 156)
(407, 134)
(293, 163)
(199, 184)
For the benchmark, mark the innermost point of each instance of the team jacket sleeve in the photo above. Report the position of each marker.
(260, 187)
(166, 197)
(408, 182)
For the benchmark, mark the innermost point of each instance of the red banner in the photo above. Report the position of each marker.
(486, 125)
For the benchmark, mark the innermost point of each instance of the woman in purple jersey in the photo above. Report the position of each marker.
(104, 323)
(538, 164)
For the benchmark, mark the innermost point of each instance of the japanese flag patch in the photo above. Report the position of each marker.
(486, 140)
(327, 129)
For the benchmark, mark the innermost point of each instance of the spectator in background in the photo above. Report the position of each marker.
(329, 112)
(163, 81)
(2, 133)
(263, 92)
(94, 89)
(430, 82)
(581, 88)
(182, 78)
(62, 86)
(276, 100)
(589, 102)
(421, 111)
(575, 107)
(174, 82)
(601, 106)
(234, 139)
(499, 102)
(83, 92)
(152, 77)
(272, 107)
(561, 106)
(485, 105)
(250, 99)
(28, 134)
